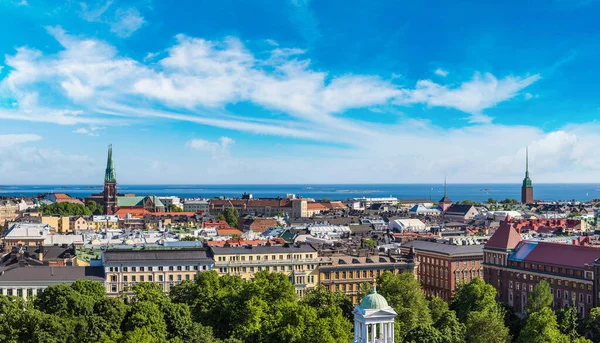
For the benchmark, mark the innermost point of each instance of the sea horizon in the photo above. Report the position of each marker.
(431, 191)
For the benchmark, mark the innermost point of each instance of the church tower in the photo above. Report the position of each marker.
(110, 185)
(527, 188)
(444, 202)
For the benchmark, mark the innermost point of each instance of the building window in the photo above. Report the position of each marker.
(124, 278)
(566, 295)
(133, 269)
(113, 278)
(141, 278)
(160, 278)
(113, 288)
(133, 278)
(160, 268)
(150, 278)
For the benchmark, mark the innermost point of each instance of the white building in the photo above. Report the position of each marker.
(408, 225)
(196, 205)
(423, 210)
(170, 200)
(374, 320)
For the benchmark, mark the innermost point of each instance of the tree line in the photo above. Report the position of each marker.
(70, 209)
(227, 309)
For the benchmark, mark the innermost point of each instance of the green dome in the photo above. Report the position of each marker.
(374, 301)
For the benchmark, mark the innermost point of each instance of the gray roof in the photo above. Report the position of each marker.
(445, 249)
(263, 249)
(50, 274)
(154, 255)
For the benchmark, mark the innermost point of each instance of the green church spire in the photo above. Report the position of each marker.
(110, 175)
(527, 180)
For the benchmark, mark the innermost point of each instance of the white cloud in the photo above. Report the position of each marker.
(441, 72)
(8, 140)
(126, 22)
(482, 92)
(94, 14)
(92, 131)
(215, 148)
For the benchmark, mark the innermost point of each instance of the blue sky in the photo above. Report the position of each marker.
(299, 91)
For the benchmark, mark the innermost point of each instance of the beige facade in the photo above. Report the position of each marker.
(80, 223)
(167, 267)
(59, 223)
(347, 273)
(300, 263)
(8, 211)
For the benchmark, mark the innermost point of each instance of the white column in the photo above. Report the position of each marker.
(385, 332)
(374, 326)
(356, 328)
(392, 335)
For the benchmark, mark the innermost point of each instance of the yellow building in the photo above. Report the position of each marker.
(59, 223)
(347, 273)
(80, 223)
(100, 223)
(167, 267)
(298, 262)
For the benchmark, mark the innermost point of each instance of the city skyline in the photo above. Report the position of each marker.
(298, 92)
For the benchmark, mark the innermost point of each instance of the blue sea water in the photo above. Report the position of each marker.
(476, 192)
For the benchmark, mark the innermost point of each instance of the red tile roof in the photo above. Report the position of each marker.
(133, 211)
(61, 196)
(505, 237)
(259, 225)
(314, 206)
(228, 232)
(560, 254)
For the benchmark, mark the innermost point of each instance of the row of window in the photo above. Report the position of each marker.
(158, 268)
(263, 258)
(551, 269)
(253, 269)
(353, 274)
(20, 291)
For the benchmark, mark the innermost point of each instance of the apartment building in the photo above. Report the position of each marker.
(299, 262)
(346, 273)
(514, 267)
(443, 266)
(167, 267)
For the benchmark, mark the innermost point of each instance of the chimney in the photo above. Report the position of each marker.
(41, 253)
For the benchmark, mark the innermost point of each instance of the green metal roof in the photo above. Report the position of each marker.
(123, 201)
(374, 301)
(110, 175)
(527, 180)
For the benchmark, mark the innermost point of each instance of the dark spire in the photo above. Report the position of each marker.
(110, 175)
(527, 180)
(445, 199)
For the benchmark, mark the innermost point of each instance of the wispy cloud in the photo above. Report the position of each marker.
(197, 78)
(14, 139)
(482, 92)
(92, 131)
(215, 148)
(94, 14)
(441, 72)
(126, 22)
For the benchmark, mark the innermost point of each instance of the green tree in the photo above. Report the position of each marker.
(65, 209)
(175, 208)
(541, 327)
(592, 324)
(424, 333)
(145, 315)
(569, 322)
(486, 326)
(321, 298)
(451, 329)
(230, 215)
(437, 307)
(94, 207)
(473, 296)
(540, 298)
(403, 293)
(467, 202)
(369, 243)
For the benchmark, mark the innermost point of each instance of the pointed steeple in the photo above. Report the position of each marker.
(445, 199)
(110, 175)
(527, 180)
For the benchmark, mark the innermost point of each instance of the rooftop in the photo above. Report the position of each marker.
(304, 248)
(445, 249)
